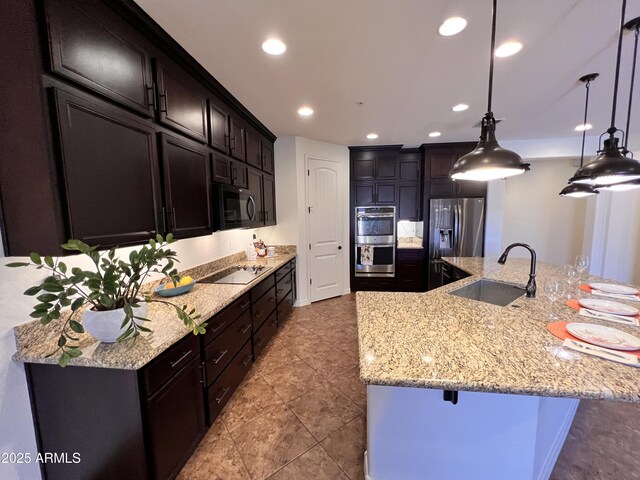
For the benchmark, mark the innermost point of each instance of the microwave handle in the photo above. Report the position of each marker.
(251, 212)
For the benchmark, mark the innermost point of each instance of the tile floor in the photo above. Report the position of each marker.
(300, 414)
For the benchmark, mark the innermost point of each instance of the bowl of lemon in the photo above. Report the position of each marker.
(170, 289)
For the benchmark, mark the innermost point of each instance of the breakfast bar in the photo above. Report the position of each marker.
(459, 388)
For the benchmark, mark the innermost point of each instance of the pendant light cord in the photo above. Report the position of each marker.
(633, 76)
(584, 123)
(617, 77)
(493, 46)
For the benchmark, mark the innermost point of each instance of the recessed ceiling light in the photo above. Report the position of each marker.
(273, 46)
(305, 111)
(372, 136)
(434, 134)
(508, 48)
(461, 107)
(451, 26)
(583, 126)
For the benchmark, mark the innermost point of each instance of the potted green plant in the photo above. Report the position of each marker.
(116, 307)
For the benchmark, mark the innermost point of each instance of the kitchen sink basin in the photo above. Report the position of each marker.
(488, 291)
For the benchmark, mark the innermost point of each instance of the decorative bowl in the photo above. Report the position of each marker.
(175, 291)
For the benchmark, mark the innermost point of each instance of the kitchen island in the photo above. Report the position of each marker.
(515, 388)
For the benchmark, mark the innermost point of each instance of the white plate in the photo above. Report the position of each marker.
(607, 306)
(604, 336)
(611, 288)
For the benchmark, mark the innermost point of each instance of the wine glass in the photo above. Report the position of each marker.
(553, 289)
(581, 264)
(571, 277)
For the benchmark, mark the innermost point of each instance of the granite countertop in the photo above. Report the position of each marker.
(34, 341)
(410, 243)
(436, 340)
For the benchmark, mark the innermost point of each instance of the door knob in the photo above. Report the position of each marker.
(339, 247)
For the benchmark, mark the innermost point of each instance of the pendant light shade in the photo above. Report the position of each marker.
(609, 167)
(488, 161)
(578, 190)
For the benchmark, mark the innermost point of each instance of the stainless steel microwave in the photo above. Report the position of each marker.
(233, 207)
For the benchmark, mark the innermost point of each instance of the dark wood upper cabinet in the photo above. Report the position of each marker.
(409, 167)
(256, 189)
(409, 202)
(237, 131)
(269, 187)
(267, 156)
(218, 126)
(221, 168)
(441, 161)
(88, 44)
(239, 174)
(363, 168)
(176, 420)
(364, 194)
(386, 165)
(254, 150)
(187, 186)
(470, 188)
(110, 167)
(182, 100)
(386, 194)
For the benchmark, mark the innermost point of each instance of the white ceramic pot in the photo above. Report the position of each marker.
(105, 325)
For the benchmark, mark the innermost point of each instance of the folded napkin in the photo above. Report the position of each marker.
(629, 298)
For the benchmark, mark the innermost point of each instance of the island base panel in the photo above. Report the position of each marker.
(413, 433)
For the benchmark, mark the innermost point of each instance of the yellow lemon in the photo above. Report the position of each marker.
(186, 280)
(170, 285)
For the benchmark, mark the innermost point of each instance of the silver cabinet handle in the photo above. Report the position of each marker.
(245, 329)
(246, 361)
(224, 392)
(222, 354)
(185, 355)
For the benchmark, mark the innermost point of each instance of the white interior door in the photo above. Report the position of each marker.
(325, 228)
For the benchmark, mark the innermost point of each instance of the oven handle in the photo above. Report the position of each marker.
(390, 215)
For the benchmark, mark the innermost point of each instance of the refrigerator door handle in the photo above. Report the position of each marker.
(456, 230)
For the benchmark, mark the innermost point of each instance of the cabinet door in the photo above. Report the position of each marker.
(442, 188)
(364, 194)
(255, 187)
(182, 101)
(237, 138)
(363, 168)
(221, 168)
(385, 194)
(110, 168)
(175, 417)
(254, 153)
(187, 186)
(89, 44)
(441, 161)
(218, 126)
(269, 200)
(239, 175)
(408, 202)
(267, 156)
(386, 165)
(471, 189)
(409, 170)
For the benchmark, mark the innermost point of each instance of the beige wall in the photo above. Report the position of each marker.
(534, 213)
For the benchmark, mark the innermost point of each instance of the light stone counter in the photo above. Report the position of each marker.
(35, 341)
(414, 243)
(440, 341)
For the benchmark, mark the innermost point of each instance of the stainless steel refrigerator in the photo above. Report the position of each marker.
(456, 229)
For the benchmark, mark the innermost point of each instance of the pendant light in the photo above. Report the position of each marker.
(633, 184)
(610, 166)
(488, 161)
(582, 189)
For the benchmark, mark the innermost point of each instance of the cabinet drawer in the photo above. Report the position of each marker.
(170, 362)
(261, 288)
(283, 287)
(263, 335)
(219, 353)
(283, 271)
(263, 307)
(284, 307)
(222, 320)
(222, 389)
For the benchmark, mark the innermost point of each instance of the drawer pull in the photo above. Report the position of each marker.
(246, 328)
(259, 314)
(242, 307)
(218, 327)
(221, 396)
(185, 355)
(246, 360)
(259, 342)
(222, 354)
(279, 291)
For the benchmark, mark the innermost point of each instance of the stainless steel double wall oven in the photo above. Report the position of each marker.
(375, 241)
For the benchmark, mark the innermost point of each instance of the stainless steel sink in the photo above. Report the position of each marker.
(488, 291)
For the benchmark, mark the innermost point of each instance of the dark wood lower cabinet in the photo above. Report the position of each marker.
(410, 274)
(145, 424)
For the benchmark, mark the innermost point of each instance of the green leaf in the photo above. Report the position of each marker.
(76, 326)
(47, 297)
(125, 335)
(64, 359)
(65, 302)
(63, 267)
(74, 352)
(38, 313)
(17, 264)
(169, 238)
(62, 341)
(52, 287)
(144, 329)
(32, 291)
(48, 261)
(35, 258)
(77, 303)
(159, 238)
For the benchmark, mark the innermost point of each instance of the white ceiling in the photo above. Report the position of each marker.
(388, 54)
